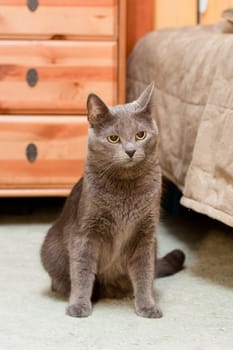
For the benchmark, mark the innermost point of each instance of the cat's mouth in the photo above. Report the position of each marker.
(128, 162)
(131, 162)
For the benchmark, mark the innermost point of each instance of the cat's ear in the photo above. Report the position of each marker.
(144, 100)
(96, 110)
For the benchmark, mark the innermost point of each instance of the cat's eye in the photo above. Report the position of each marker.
(113, 139)
(141, 135)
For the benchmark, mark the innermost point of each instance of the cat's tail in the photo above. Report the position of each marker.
(170, 263)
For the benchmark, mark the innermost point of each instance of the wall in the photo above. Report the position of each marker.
(146, 15)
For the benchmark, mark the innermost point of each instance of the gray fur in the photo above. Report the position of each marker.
(105, 239)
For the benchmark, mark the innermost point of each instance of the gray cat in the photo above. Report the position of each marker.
(104, 244)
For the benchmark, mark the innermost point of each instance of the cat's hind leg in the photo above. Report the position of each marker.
(61, 286)
(55, 261)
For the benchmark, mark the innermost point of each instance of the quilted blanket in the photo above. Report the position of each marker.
(192, 68)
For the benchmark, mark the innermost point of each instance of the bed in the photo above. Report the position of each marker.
(192, 68)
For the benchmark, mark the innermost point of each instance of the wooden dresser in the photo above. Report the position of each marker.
(53, 53)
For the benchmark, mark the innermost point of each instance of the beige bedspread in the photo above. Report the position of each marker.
(192, 68)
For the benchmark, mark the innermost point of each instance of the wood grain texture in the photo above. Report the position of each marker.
(66, 19)
(122, 52)
(67, 71)
(139, 20)
(61, 145)
(214, 10)
(175, 13)
(86, 54)
(35, 192)
(55, 3)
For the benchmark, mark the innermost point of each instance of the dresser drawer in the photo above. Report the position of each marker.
(41, 152)
(55, 77)
(52, 18)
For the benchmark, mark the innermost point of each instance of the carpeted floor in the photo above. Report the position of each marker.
(197, 303)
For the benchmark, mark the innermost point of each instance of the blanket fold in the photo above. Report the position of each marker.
(192, 68)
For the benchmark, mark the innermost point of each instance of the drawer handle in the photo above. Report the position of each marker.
(32, 5)
(31, 152)
(32, 77)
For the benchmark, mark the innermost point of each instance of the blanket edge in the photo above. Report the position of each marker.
(202, 208)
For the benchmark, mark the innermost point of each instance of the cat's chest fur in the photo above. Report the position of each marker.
(125, 208)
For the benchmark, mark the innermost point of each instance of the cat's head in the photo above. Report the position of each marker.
(124, 136)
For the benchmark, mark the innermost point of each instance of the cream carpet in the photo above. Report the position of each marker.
(197, 303)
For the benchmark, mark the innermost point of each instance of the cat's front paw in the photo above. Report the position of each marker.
(152, 311)
(79, 310)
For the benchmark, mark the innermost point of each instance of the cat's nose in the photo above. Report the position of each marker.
(130, 152)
